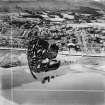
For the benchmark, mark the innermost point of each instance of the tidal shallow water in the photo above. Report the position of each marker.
(82, 85)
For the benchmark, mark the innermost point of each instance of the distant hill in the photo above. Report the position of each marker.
(99, 5)
(88, 10)
(82, 5)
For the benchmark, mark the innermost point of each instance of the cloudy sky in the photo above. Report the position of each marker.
(52, 0)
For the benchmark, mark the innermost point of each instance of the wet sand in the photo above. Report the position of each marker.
(68, 89)
(23, 97)
(82, 85)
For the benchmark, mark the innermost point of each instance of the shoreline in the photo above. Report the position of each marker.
(66, 53)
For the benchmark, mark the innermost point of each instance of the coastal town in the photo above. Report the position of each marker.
(71, 31)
